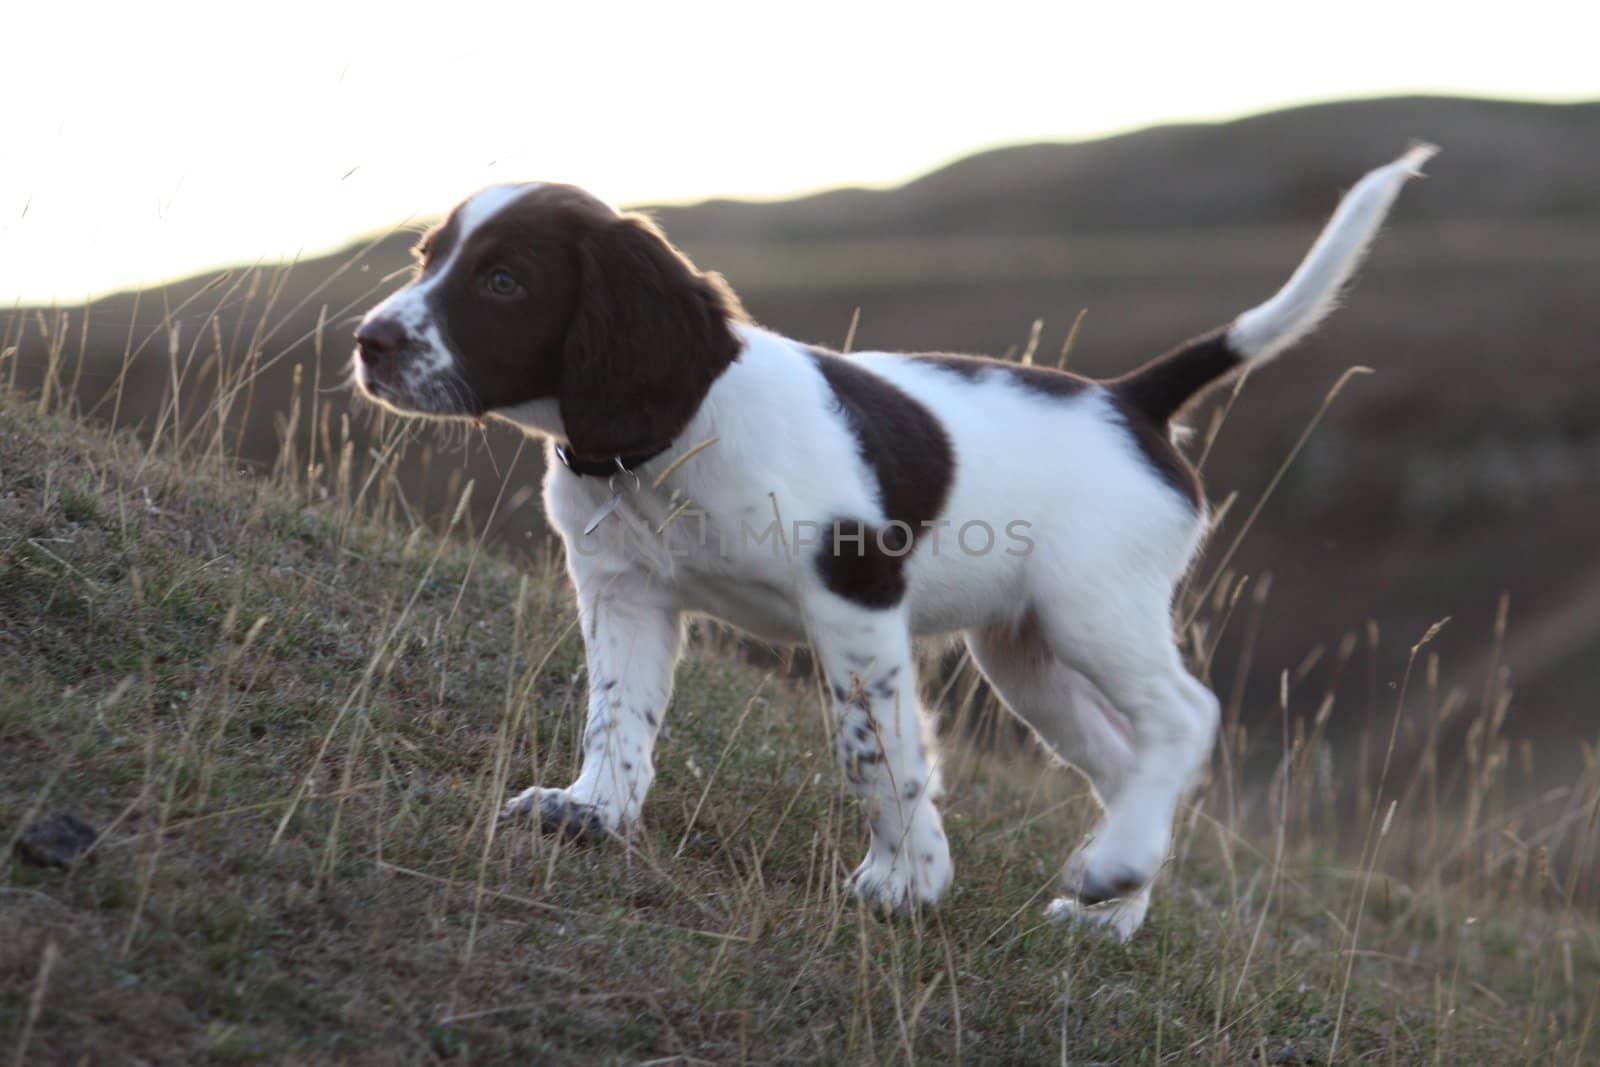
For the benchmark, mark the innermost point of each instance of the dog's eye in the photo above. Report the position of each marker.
(501, 283)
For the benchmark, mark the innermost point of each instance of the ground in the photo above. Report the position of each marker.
(289, 717)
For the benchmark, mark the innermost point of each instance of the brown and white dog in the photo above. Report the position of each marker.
(700, 464)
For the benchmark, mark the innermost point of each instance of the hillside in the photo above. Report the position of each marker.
(1465, 469)
(1266, 170)
(284, 717)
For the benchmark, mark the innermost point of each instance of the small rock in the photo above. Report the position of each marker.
(58, 840)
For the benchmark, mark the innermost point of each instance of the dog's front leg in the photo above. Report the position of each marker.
(632, 643)
(886, 753)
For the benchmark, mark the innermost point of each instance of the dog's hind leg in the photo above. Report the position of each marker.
(1076, 722)
(885, 748)
(1071, 716)
(1121, 639)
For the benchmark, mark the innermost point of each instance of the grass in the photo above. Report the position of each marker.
(291, 710)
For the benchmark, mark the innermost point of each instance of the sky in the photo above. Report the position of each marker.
(152, 140)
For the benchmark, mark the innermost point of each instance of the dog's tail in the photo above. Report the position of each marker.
(1164, 387)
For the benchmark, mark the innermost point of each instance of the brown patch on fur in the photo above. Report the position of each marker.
(865, 563)
(1150, 397)
(1162, 388)
(1155, 442)
(914, 465)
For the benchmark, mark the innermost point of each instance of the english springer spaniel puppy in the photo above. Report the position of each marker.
(699, 464)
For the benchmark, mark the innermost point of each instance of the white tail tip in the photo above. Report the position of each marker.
(1413, 160)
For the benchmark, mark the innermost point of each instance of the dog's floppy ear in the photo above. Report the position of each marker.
(649, 334)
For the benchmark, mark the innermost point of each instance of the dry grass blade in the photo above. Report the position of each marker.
(1283, 468)
(41, 983)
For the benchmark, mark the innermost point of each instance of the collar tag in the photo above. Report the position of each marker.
(600, 516)
(617, 493)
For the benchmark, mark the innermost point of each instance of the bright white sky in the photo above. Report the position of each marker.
(148, 140)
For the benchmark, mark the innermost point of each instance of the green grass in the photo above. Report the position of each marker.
(294, 723)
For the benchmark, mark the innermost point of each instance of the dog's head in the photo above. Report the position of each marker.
(542, 292)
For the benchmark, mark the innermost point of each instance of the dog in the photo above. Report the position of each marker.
(699, 464)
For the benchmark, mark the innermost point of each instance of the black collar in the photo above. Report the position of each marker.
(604, 468)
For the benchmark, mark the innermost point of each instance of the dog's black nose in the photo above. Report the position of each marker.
(379, 338)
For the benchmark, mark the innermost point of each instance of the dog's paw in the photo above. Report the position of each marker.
(560, 814)
(908, 882)
(1119, 918)
(1114, 866)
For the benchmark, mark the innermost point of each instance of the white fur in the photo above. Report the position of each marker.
(1065, 601)
(1313, 291)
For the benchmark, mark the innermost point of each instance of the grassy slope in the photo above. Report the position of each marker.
(294, 729)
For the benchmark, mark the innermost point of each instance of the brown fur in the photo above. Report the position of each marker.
(648, 335)
(611, 320)
(910, 455)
